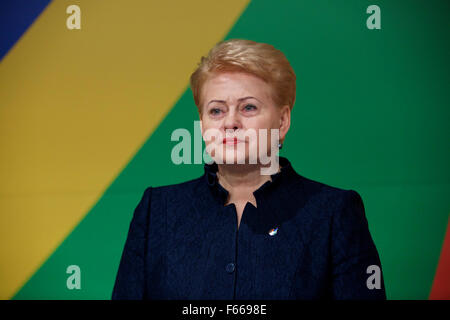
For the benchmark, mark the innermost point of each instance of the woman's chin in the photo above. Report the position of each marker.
(231, 159)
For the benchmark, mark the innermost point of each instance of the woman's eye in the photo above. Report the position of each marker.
(249, 107)
(215, 111)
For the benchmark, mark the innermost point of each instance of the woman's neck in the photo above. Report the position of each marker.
(241, 180)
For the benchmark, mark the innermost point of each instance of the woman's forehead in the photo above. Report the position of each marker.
(235, 86)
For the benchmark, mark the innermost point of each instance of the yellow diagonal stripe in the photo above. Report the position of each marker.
(75, 106)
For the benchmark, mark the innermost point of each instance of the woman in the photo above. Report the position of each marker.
(251, 227)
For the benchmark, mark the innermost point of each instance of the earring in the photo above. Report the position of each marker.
(280, 145)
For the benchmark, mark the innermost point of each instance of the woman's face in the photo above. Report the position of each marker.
(237, 109)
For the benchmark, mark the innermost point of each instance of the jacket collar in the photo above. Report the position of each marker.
(285, 174)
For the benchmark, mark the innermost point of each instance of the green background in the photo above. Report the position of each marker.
(371, 115)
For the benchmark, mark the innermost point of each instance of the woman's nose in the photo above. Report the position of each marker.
(232, 121)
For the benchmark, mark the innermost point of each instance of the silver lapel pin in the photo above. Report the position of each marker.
(273, 232)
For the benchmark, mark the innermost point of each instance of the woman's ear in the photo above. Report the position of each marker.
(285, 121)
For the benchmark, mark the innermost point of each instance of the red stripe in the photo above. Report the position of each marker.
(441, 284)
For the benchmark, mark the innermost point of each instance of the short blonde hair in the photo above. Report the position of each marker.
(256, 58)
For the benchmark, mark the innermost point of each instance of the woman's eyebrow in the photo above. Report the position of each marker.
(239, 100)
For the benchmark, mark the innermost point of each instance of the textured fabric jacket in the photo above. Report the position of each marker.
(304, 240)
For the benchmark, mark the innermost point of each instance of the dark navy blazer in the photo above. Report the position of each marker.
(304, 240)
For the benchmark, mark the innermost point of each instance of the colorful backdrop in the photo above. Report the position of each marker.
(86, 117)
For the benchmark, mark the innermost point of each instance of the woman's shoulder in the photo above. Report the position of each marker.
(314, 186)
(186, 189)
(326, 193)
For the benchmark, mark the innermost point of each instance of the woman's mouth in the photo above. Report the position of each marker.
(230, 141)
